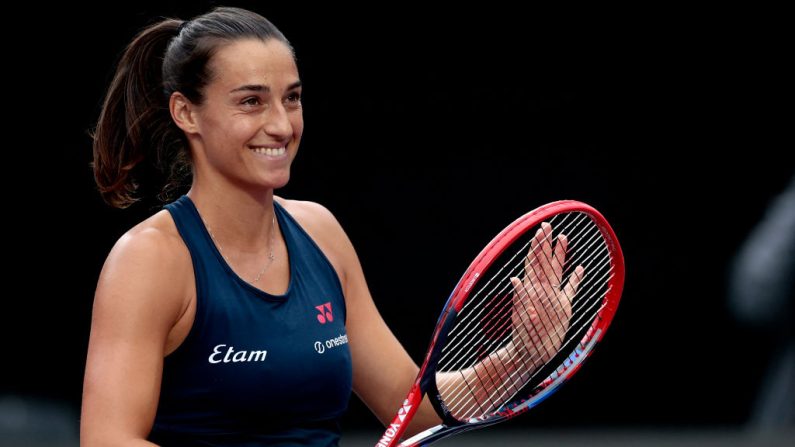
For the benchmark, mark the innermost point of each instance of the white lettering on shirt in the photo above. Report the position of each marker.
(229, 355)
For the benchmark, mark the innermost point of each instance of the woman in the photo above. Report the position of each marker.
(232, 317)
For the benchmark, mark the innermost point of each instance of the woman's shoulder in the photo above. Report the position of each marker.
(145, 281)
(312, 216)
(321, 225)
(154, 242)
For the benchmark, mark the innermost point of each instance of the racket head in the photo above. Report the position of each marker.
(481, 317)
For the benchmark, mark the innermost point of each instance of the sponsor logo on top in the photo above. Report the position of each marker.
(324, 314)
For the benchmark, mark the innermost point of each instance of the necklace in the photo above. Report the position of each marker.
(271, 257)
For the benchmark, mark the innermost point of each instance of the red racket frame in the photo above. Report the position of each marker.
(459, 296)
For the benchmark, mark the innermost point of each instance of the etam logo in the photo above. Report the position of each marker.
(325, 313)
(229, 355)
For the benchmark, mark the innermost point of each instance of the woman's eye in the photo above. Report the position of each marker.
(252, 101)
(294, 97)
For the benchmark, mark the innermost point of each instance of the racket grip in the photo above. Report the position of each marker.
(405, 413)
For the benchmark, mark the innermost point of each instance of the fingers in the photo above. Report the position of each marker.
(546, 254)
(545, 261)
(541, 291)
(537, 261)
(517, 286)
(520, 297)
(558, 258)
(536, 253)
(575, 279)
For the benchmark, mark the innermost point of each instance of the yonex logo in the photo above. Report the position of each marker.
(404, 410)
(390, 433)
(325, 313)
(393, 428)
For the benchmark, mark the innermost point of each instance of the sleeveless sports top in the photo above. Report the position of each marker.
(256, 369)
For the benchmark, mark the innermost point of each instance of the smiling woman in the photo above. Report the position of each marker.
(232, 317)
(255, 106)
(205, 327)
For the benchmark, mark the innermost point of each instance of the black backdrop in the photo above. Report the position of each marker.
(426, 132)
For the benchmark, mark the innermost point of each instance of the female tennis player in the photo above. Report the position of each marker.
(231, 317)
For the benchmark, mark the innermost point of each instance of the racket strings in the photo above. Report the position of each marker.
(503, 386)
(489, 333)
(465, 409)
(462, 332)
(472, 321)
(469, 321)
(511, 382)
(485, 325)
(579, 327)
(538, 272)
(517, 379)
(501, 306)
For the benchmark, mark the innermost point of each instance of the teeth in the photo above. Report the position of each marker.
(273, 152)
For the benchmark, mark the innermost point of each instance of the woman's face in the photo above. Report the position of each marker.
(251, 121)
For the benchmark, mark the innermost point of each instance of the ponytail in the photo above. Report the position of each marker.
(135, 123)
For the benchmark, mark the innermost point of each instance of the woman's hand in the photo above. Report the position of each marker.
(541, 302)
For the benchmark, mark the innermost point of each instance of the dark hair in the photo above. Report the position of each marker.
(135, 124)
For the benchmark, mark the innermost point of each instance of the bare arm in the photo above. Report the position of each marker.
(383, 372)
(137, 303)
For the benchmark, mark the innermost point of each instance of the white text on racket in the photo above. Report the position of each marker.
(392, 430)
(390, 433)
(470, 282)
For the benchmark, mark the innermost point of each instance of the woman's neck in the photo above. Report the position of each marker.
(239, 218)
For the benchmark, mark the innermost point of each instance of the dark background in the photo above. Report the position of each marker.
(427, 131)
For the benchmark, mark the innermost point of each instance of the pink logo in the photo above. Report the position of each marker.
(325, 313)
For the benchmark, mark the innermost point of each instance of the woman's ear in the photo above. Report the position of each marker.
(182, 112)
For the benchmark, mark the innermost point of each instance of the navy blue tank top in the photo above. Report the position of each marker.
(255, 368)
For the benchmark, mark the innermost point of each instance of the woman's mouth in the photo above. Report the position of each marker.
(269, 151)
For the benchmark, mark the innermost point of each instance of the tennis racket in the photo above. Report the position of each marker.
(521, 320)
